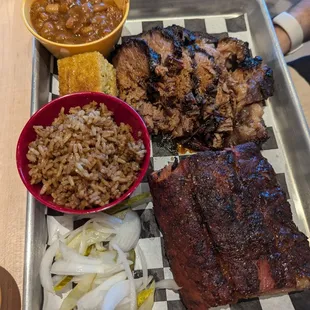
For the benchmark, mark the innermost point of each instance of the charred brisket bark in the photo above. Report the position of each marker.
(181, 82)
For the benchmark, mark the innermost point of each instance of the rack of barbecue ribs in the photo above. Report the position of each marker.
(192, 87)
(228, 228)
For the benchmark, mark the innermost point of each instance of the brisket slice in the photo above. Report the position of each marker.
(249, 126)
(174, 85)
(136, 64)
(228, 228)
(234, 51)
(253, 82)
(206, 73)
(203, 41)
(144, 84)
(162, 42)
(186, 37)
(175, 82)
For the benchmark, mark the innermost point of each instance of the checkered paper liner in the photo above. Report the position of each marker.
(151, 240)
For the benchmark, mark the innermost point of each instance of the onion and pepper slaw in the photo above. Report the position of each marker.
(99, 259)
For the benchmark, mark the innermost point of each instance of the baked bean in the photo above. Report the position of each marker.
(47, 29)
(70, 22)
(52, 8)
(75, 21)
(54, 17)
(40, 24)
(100, 7)
(70, 2)
(60, 26)
(35, 6)
(61, 37)
(44, 16)
(87, 7)
(97, 19)
(77, 28)
(86, 30)
(63, 8)
(41, 9)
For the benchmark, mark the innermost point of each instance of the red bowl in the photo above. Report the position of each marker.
(46, 115)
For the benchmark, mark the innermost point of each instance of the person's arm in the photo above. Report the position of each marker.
(302, 14)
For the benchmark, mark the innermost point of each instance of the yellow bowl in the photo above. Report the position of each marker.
(104, 45)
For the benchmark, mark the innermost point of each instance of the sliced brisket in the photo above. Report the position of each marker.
(162, 42)
(135, 64)
(206, 72)
(249, 126)
(175, 80)
(253, 82)
(234, 51)
(193, 87)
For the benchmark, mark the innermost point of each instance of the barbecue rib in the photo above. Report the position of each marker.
(228, 228)
(192, 86)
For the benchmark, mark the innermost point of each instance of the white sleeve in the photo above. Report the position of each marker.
(292, 28)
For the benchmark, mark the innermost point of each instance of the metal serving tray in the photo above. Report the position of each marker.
(292, 131)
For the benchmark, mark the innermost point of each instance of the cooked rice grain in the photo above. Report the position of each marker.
(84, 159)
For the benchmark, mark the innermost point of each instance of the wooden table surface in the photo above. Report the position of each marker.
(15, 92)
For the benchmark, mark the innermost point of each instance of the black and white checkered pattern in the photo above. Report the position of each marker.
(151, 241)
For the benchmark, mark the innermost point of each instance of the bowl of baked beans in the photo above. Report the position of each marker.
(69, 27)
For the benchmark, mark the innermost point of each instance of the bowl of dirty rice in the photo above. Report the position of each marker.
(83, 153)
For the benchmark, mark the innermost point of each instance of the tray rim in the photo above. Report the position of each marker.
(31, 203)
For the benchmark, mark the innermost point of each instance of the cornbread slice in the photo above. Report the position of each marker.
(86, 72)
